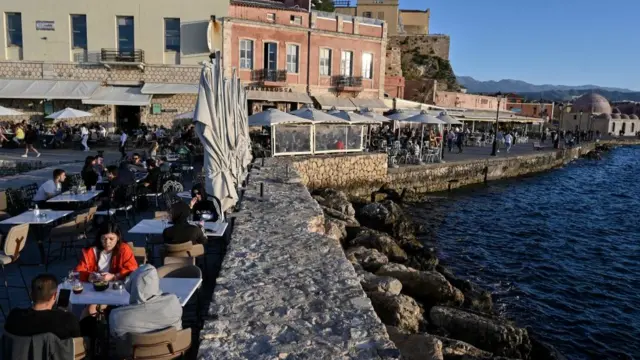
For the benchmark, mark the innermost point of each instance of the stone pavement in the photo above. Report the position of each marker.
(477, 153)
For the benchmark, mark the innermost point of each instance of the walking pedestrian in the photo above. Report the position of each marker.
(508, 140)
(84, 133)
(450, 137)
(123, 144)
(30, 137)
(460, 141)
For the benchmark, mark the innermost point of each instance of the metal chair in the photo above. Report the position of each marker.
(13, 245)
(159, 189)
(67, 235)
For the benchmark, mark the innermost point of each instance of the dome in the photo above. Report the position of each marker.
(615, 110)
(607, 117)
(591, 103)
(615, 116)
(624, 116)
(634, 117)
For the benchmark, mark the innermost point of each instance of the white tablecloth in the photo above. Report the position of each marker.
(182, 288)
(28, 217)
(156, 227)
(68, 197)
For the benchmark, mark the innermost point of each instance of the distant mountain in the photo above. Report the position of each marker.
(517, 86)
(565, 95)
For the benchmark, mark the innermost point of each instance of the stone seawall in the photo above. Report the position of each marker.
(285, 290)
(341, 171)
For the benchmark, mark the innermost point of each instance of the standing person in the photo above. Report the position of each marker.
(508, 140)
(450, 137)
(543, 137)
(19, 131)
(460, 141)
(84, 134)
(123, 144)
(88, 173)
(30, 137)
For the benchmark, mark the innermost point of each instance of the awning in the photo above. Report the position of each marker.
(47, 89)
(276, 96)
(330, 102)
(369, 104)
(169, 89)
(118, 95)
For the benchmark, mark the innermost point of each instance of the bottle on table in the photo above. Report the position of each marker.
(36, 211)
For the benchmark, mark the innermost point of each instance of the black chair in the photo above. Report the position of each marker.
(159, 188)
(28, 192)
(15, 202)
(170, 198)
(123, 211)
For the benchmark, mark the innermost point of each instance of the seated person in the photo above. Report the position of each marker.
(50, 188)
(88, 173)
(115, 190)
(149, 309)
(41, 317)
(109, 258)
(181, 231)
(150, 182)
(200, 204)
(99, 164)
(164, 165)
(136, 163)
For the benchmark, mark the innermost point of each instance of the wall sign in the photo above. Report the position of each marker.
(156, 109)
(45, 25)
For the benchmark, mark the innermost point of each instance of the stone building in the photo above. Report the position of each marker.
(289, 56)
(593, 112)
(126, 62)
(401, 21)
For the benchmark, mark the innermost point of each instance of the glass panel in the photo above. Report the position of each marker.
(79, 31)
(367, 65)
(271, 56)
(246, 54)
(354, 137)
(345, 63)
(14, 29)
(325, 62)
(172, 35)
(125, 34)
(331, 137)
(292, 138)
(292, 58)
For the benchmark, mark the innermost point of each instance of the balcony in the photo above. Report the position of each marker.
(347, 83)
(133, 57)
(269, 77)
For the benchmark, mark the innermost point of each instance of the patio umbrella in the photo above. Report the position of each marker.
(449, 119)
(424, 118)
(212, 130)
(271, 117)
(9, 112)
(353, 117)
(244, 142)
(374, 115)
(69, 113)
(317, 115)
(401, 114)
(185, 116)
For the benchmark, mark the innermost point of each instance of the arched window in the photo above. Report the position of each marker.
(624, 127)
(613, 127)
(633, 127)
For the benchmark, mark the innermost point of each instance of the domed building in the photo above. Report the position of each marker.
(593, 112)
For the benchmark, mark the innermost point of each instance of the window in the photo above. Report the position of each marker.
(346, 63)
(613, 127)
(366, 14)
(292, 58)
(271, 56)
(575, 117)
(535, 110)
(271, 17)
(633, 127)
(296, 20)
(172, 34)
(325, 62)
(79, 32)
(378, 1)
(14, 29)
(381, 15)
(367, 65)
(125, 34)
(246, 54)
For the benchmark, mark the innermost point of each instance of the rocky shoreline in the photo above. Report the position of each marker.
(429, 313)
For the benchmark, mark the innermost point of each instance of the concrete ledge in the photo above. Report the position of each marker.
(286, 291)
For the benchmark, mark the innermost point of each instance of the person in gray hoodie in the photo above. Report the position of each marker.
(149, 309)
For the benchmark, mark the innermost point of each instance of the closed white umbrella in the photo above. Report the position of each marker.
(449, 119)
(353, 117)
(212, 131)
(317, 115)
(185, 116)
(69, 113)
(271, 117)
(9, 112)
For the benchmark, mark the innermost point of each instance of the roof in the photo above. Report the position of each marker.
(266, 4)
(47, 89)
(276, 96)
(118, 95)
(415, 11)
(169, 89)
(591, 103)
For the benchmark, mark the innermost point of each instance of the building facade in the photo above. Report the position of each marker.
(541, 110)
(289, 56)
(400, 21)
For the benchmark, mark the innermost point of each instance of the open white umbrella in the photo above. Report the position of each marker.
(69, 113)
(9, 112)
(449, 119)
(211, 128)
(402, 114)
(317, 115)
(185, 116)
(271, 117)
(353, 117)
(425, 119)
(374, 115)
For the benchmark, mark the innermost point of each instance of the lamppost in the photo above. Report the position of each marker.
(495, 135)
(561, 108)
(578, 127)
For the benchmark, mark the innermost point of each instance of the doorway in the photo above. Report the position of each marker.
(128, 117)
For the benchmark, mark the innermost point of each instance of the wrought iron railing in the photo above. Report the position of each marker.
(119, 55)
(262, 75)
(342, 81)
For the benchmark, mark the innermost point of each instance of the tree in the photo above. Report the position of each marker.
(323, 5)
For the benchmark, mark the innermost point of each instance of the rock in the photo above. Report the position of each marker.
(416, 346)
(370, 259)
(336, 200)
(389, 217)
(429, 287)
(452, 348)
(422, 258)
(541, 350)
(397, 310)
(475, 298)
(494, 335)
(335, 229)
(380, 241)
(375, 283)
(350, 221)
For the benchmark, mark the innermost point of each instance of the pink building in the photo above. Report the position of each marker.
(289, 56)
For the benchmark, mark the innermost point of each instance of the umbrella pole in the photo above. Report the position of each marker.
(421, 140)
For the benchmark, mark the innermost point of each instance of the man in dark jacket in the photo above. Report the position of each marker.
(181, 231)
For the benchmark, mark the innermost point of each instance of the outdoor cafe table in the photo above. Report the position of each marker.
(156, 227)
(182, 288)
(68, 197)
(46, 217)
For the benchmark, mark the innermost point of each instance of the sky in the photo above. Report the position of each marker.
(561, 42)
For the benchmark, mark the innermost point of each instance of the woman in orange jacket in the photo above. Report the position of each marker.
(110, 258)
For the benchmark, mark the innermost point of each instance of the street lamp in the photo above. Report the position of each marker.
(578, 127)
(561, 107)
(495, 135)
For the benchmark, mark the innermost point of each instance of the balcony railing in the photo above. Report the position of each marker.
(124, 56)
(347, 82)
(265, 75)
